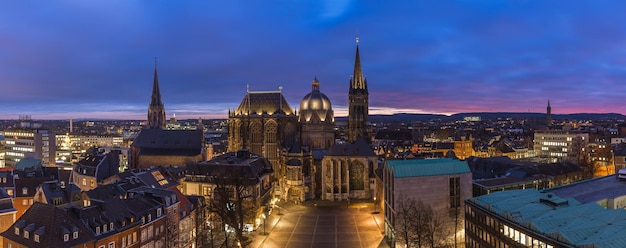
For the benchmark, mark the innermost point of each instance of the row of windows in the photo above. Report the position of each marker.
(482, 228)
(551, 143)
(22, 149)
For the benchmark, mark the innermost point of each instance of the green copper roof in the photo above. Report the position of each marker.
(563, 219)
(427, 167)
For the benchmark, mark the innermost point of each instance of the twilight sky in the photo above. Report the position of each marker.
(95, 59)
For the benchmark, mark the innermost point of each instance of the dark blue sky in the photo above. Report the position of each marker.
(95, 59)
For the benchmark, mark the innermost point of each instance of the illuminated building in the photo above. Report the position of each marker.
(29, 143)
(317, 119)
(556, 145)
(463, 148)
(91, 171)
(348, 172)
(237, 170)
(358, 103)
(264, 124)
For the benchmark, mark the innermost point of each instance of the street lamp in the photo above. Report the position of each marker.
(263, 216)
(374, 204)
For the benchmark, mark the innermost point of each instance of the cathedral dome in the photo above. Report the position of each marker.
(315, 107)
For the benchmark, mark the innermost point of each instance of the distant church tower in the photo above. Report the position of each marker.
(156, 110)
(357, 101)
(549, 114)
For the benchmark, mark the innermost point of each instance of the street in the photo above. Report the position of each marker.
(328, 226)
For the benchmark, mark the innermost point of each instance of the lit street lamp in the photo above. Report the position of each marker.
(374, 204)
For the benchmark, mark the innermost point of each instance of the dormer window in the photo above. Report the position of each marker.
(159, 212)
(17, 231)
(98, 230)
(111, 225)
(24, 191)
(75, 235)
(143, 220)
(149, 217)
(105, 227)
(66, 237)
(26, 234)
(36, 238)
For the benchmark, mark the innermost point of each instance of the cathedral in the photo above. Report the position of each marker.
(156, 146)
(301, 146)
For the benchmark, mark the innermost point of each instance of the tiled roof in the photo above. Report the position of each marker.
(248, 166)
(169, 139)
(562, 219)
(50, 223)
(427, 167)
(357, 149)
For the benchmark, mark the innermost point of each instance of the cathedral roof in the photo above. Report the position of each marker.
(357, 149)
(264, 102)
(169, 139)
(315, 106)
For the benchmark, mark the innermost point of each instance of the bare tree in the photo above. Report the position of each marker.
(404, 216)
(417, 225)
(232, 201)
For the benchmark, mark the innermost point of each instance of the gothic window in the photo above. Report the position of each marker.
(356, 176)
(271, 132)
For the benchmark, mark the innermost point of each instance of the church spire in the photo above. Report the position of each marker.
(549, 114)
(156, 110)
(358, 81)
(156, 92)
(358, 98)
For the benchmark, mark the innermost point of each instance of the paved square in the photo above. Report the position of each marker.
(323, 227)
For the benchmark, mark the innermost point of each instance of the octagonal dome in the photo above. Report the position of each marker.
(315, 106)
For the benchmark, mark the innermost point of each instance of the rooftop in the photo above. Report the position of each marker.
(427, 167)
(592, 190)
(560, 218)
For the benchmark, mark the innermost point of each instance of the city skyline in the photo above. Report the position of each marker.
(94, 59)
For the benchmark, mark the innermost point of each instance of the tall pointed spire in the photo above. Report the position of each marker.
(156, 110)
(156, 92)
(549, 114)
(358, 81)
(358, 102)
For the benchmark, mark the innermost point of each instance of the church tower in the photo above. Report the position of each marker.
(357, 101)
(549, 114)
(156, 110)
